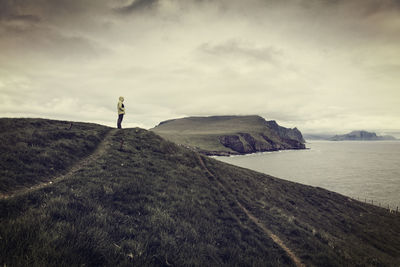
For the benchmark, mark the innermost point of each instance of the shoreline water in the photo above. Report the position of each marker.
(367, 171)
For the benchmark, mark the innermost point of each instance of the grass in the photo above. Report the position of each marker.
(200, 142)
(152, 203)
(213, 124)
(34, 150)
(327, 229)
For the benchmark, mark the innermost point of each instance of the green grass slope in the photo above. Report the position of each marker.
(203, 133)
(153, 203)
(214, 124)
(34, 150)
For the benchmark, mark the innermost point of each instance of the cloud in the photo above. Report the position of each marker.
(14, 13)
(46, 44)
(239, 49)
(24, 18)
(137, 5)
(6, 9)
(305, 63)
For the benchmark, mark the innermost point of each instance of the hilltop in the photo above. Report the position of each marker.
(131, 198)
(227, 135)
(360, 135)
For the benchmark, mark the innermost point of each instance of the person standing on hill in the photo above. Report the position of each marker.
(121, 111)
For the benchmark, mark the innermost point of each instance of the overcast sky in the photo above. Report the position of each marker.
(319, 65)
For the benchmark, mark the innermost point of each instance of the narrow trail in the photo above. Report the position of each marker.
(100, 150)
(255, 220)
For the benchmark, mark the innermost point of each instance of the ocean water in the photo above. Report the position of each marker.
(368, 171)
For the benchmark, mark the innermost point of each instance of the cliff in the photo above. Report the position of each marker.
(225, 135)
(360, 135)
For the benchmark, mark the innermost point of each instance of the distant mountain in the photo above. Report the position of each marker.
(361, 135)
(317, 136)
(226, 135)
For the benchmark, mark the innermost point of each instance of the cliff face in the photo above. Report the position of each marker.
(222, 135)
(245, 143)
(286, 133)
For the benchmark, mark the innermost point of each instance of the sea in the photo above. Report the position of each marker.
(368, 171)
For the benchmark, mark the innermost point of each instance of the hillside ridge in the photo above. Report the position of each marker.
(34, 150)
(255, 220)
(100, 150)
(227, 135)
(146, 201)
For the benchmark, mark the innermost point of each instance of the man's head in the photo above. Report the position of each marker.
(121, 98)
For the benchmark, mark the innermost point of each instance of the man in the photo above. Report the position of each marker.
(121, 111)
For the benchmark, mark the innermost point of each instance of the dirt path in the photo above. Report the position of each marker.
(255, 220)
(100, 150)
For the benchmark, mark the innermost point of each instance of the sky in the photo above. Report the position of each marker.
(323, 66)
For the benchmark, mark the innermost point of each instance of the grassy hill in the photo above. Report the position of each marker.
(221, 135)
(144, 201)
(34, 150)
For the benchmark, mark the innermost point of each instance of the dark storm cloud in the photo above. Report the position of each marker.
(52, 29)
(74, 8)
(27, 18)
(47, 44)
(367, 8)
(371, 4)
(6, 9)
(137, 5)
(53, 9)
(14, 10)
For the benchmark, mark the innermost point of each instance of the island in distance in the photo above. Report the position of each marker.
(352, 136)
(230, 135)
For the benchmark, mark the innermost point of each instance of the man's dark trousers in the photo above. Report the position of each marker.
(120, 118)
